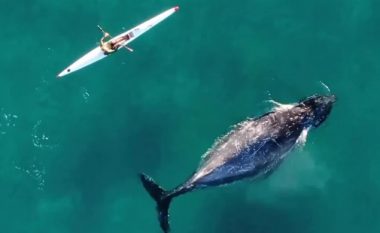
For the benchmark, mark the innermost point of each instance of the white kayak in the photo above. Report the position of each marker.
(97, 53)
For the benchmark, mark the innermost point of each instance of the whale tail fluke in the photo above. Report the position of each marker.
(162, 200)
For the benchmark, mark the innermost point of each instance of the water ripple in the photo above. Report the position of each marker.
(36, 171)
(40, 138)
(7, 121)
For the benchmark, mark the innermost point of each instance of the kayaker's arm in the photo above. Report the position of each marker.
(102, 41)
(106, 35)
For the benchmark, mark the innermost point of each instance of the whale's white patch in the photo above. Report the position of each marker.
(280, 107)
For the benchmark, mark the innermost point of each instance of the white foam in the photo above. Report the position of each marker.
(7, 121)
(280, 107)
(85, 94)
(36, 172)
(40, 139)
(325, 86)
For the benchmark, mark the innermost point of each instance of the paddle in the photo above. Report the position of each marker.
(101, 29)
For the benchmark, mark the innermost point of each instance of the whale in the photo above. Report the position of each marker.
(253, 149)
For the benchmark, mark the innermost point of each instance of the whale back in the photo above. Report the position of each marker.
(252, 148)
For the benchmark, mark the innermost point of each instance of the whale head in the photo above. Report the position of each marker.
(319, 108)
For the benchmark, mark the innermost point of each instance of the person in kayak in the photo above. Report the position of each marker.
(112, 46)
(107, 46)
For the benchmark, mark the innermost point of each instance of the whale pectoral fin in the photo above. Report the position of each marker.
(301, 140)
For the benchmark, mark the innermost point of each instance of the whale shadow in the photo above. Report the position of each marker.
(290, 212)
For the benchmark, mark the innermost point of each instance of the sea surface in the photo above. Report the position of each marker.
(71, 148)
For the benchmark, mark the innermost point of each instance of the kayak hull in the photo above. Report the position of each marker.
(97, 53)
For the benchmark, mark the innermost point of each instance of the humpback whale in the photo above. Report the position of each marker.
(253, 148)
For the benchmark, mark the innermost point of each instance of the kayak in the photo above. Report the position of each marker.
(97, 53)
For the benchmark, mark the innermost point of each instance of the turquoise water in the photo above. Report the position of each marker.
(70, 149)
